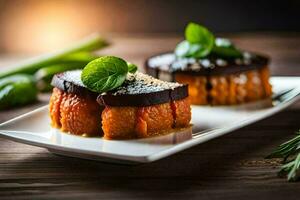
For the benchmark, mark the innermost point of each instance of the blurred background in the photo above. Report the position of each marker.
(33, 26)
(138, 29)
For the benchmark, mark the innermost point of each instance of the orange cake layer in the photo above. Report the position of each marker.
(141, 122)
(75, 114)
(228, 89)
(82, 115)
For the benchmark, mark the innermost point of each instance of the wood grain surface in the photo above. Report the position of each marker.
(230, 167)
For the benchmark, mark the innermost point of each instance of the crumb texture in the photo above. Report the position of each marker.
(228, 89)
(141, 122)
(81, 115)
(140, 83)
(75, 114)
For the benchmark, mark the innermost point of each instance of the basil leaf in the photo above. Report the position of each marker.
(186, 49)
(132, 68)
(199, 42)
(226, 49)
(198, 51)
(195, 33)
(226, 52)
(194, 49)
(104, 74)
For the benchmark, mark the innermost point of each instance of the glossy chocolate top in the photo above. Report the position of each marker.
(143, 90)
(138, 90)
(168, 62)
(70, 81)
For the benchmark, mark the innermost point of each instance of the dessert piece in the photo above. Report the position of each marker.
(72, 107)
(144, 106)
(217, 75)
(216, 81)
(141, 107)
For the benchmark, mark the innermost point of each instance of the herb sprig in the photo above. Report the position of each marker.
(225, 48)
(106, 73)
(290, 152)
(200, 42)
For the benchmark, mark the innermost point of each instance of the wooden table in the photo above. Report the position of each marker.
(230, 167)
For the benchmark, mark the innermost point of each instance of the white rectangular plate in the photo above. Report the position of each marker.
(208, 122)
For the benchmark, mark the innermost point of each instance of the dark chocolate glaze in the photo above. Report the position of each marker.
(138, 90)
(143, 90)
(168, 62)
(70, 82)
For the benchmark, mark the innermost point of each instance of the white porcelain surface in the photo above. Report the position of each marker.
(208, 123)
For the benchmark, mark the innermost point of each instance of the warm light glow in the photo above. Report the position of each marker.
(45, 25)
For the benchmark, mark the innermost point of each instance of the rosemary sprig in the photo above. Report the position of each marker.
(290, 152)
(291, 169)
(287, 149)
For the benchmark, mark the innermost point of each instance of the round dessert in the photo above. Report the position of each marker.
(216, 71)
(141, 107)
(72, 107)
(213, 80)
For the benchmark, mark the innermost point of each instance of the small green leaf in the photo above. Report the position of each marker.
(198, 44)
(19, 78)
(104, 74)
(132, 68)
(195, 33)
(198, 51)
(186, 49)
(19, 92)
(224, 48)
(226, 52)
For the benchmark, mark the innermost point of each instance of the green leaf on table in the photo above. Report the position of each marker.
(104, 74)
(17, 90)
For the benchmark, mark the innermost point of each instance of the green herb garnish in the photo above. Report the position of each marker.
(106, 73)
(132, 68)
(225, 48)
(200, 42)
(290, 152)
